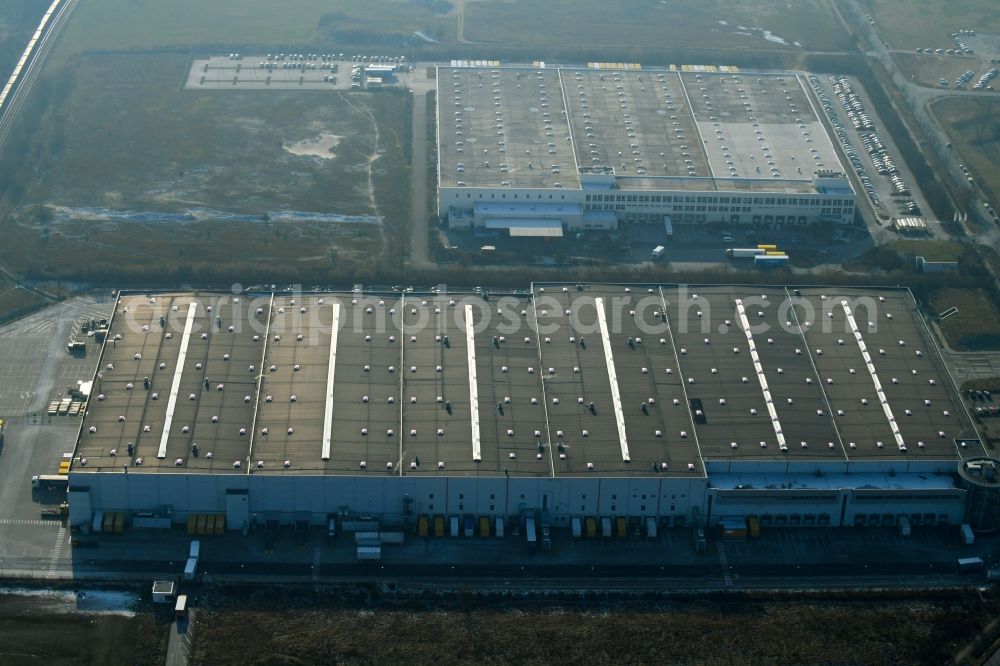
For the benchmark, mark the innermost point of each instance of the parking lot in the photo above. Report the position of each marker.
(35, 368)
(879, 173)
(274, 71)
(702, 245)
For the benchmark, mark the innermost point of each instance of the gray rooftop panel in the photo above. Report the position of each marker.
(401, 394)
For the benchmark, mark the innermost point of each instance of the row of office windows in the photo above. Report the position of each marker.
(696, 199)
(752, 496)
(782, 520)
(503, 195)
(892, 519)
(711, 209)
(951, 497)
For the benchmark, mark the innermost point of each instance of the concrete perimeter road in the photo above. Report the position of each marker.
(418, 183)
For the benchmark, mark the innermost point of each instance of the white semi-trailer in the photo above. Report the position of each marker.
(745, 252)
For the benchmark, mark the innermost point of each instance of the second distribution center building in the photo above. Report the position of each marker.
(542, 151)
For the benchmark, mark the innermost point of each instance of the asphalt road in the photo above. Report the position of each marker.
(181, 638)
(418, 183)
(705, 576)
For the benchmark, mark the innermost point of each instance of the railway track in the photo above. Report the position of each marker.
(18, 86)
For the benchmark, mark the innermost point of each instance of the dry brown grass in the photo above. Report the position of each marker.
(809, 632)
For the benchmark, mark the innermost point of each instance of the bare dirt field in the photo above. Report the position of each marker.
(125, 170)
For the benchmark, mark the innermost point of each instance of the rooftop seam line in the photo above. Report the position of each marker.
(470, 350)
(541, 381)
(328, 413)
(616, 398)
(176, 386)
(702, 143)
(402, 378)
(156, 364)
(569, 124)
(98, 373)
(822, 390)
(259, 380)
(680, 372)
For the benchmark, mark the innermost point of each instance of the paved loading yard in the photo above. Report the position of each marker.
(252, 72)
(558, 389)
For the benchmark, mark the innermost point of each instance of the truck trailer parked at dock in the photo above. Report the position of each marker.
(744, 252)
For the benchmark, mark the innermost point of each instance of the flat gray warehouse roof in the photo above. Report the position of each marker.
(569, 380)
(535, 128)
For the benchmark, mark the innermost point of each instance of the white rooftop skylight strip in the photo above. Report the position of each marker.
(759, 367)
(470, 348)
(176, 386)
(328, 414)
(879, 393)
(616, 397)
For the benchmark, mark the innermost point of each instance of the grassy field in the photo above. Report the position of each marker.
(991, 384)
(591, 24)
(15, 300)
(806, 632)
(925, 69)
(122, 139)
(35, 631)
(930, 250)
(976, 327)
(973, 128)
(907, 24)
(152, 24)
(391, 25)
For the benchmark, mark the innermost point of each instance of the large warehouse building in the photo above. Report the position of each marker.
(540, 151)
(801, 407)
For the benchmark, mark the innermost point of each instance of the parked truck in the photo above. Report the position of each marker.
(744, 252)
(904, 526)
(970, 564)
(46, 482)
(968, 538)
(770, 260)
(657, 253)
(530, 535)
(190, 569)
